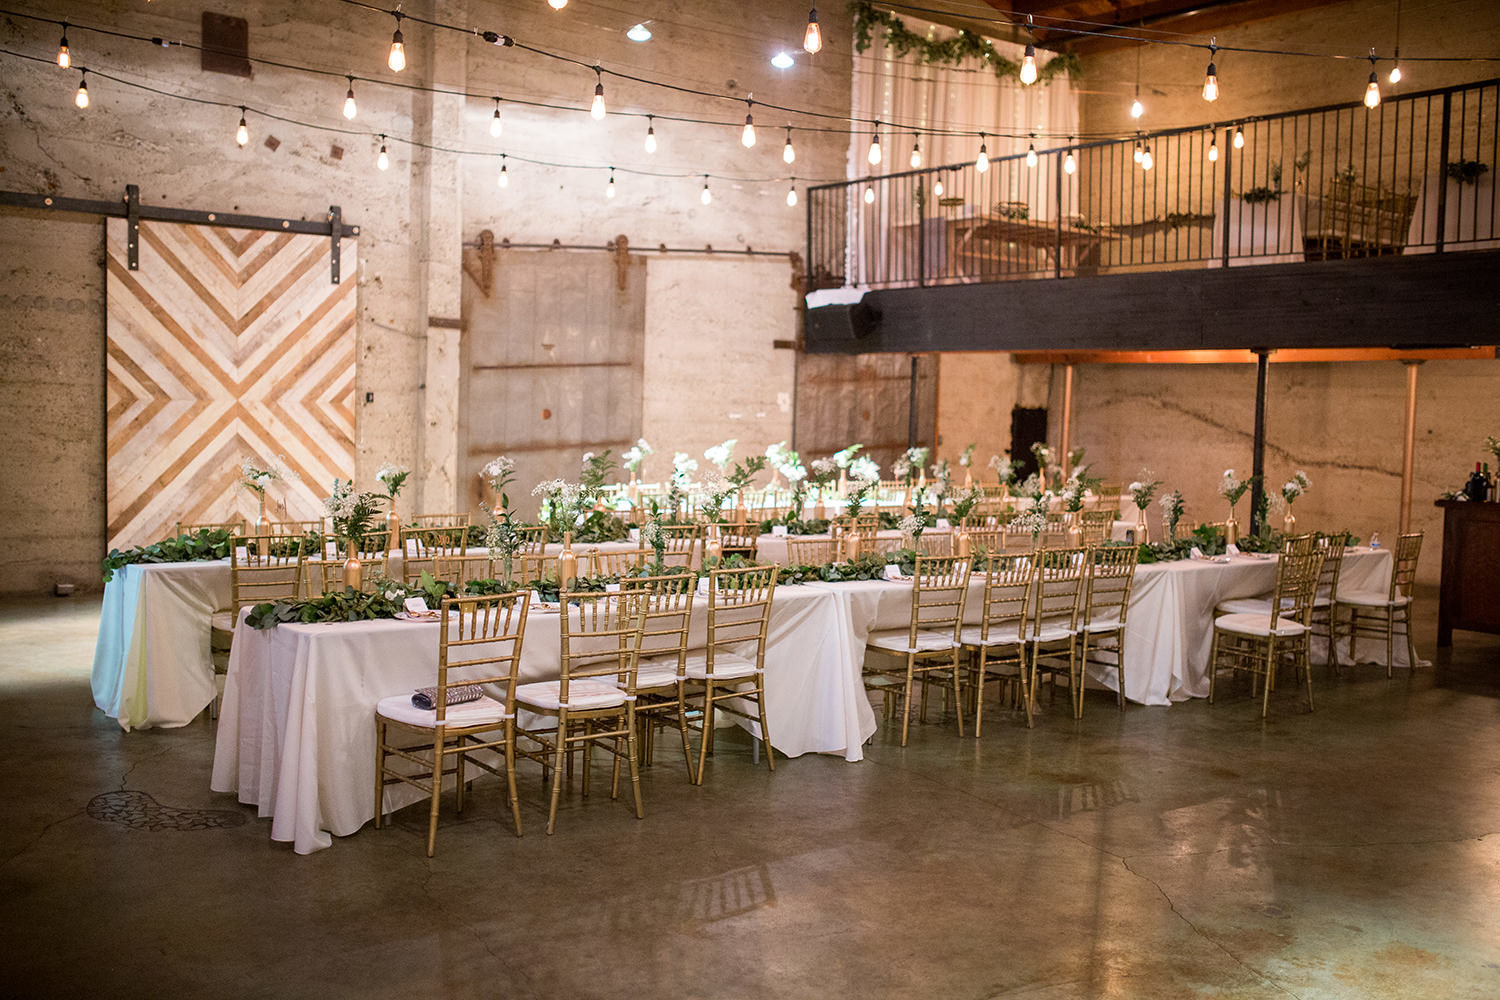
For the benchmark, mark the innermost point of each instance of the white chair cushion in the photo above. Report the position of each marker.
(582, 694)
(897, 640)
(725, 665)
(1049, 632)
(1372, 599)
(1003, 636)
(398, 708)
(1257, 625)
(1104, 623)
(224, 621)
(657, 672)
(1245, 606)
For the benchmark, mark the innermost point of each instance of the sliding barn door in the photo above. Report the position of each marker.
(224, 344)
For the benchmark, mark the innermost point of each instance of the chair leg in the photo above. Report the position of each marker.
(557, 768)
(458, 773)
(635, 771)
(906, 701)
(765, 732)
(708, 728)
(379, 770)
(1411, 649)
(958, 705)
(510, 773)
(1307, 668)
(1265, 704)
(682, 728)
(976, 686)
(1390, 640)
(1213, 667)
(437, 790)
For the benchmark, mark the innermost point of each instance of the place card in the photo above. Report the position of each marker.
(416, 606)
(1195, 553)
(1232, 549)
(778, 531)
(942, 522)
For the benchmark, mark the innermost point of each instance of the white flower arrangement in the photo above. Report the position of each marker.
(651, 533)
(683, 467)
(1232, 488)
(864, 470)
(1032, 520)
(720, 454)
(498, 470)
(1004, 468)
(393, 477)
(635, 455)
(1142, 490)
(256, 479)
(901, 467)
(823, 467)
(967, 458)
(1295, 487)
(911, 526)
(1072, 493)
(588, 457)
(794, 473)
(844, 459)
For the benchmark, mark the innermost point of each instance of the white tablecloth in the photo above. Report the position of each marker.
(151, 660)
(1268, 232)
(296, 734)
(1471, 221)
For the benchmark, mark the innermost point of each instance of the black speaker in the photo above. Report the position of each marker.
(840, 324)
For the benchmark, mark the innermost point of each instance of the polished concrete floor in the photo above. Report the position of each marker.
(1191, 851)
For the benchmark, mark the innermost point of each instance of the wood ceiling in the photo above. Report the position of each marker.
(1104, 17)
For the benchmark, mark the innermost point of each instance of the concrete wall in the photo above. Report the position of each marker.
(414, 217)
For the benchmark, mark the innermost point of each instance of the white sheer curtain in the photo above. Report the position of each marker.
(910, 97)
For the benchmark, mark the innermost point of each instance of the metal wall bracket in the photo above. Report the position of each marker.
(335, 235)
(133, 226)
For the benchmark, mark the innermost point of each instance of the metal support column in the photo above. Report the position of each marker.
(1258, 463)
(1410, 441)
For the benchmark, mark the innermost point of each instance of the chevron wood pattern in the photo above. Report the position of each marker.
(225, 343)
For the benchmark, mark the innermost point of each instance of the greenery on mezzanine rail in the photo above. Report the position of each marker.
(961, 48)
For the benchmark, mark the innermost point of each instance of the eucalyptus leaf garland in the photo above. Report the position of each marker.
(963, 47)
(202, 546)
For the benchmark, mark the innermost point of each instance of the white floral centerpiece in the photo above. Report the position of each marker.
(257, 480)
(655, 538)
(1033, 520)
(1044, 459)
(720, 454)
(634, 456)
(1004, 469)
(1172, 507)
(393, 478)
(864, 475)
(1290, 491)
(502, 537)
(966, 462)
(352, 515)
(843, 459)
(1232, 488)
(1142, 491)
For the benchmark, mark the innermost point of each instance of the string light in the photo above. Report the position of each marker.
(1372, 91)
(788, 154)
(916, 152)
(937, 186)
(383, 161)
(1213, 150)
(1028, 61)
(350, 108)
(650, 135)
(812, 40)
(869, 194)
(397, 59)
(81, 99)
(242, 133)
(791, 194)
(783, 60)
(1395, 76)
(1136, 107)
(609, 191)
(983, 162)
(1146, 160)
(747, 137)
(504, 179)
(557, 4)
(1239, 137)
(496, 127)
(64, 58)
(707, 196)
(874, 154)
(597, 110)
(1138, 153)
(1031, 154)
(639, 33)
(1211, 78)
(1070, 165)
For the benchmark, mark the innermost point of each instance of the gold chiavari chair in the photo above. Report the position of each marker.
(926, 651)
(593, 700)
(730, 671)
(479, 645)
(661, 675)
(1261, 605)
(461, 567)
(935, 543)
(533, 539)
(619, 562)
(1259, 643)
(261, 568)
(1332, 547)
(1056, 534)
(1101, 627)
(739, 540)
(314, 527)
(996, 647)
(1052, 621)
(233, 527)
(1096, 525)
(812, 551)
(1375, 614)
(682, 540)
(458, 520)
(421, 547)
(534, 567)
(986, 541)
(373, 553)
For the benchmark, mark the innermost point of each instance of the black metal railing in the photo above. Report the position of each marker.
(1414, 175)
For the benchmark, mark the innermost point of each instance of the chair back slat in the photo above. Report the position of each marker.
(812, 551)
(938, 588)
(667, 611)
(266, 568)
(1007, 586)
(1404, 573)
(1332, 547)
(1296, 584)
(600, 635)
(458, 520)
(1111, 574)
(1056, 588)
(739, 610)
(618, 562)
(480, 643)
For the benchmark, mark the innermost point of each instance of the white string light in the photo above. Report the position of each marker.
(397, 59)
(747, 136)
(937, 186)
(242, 133)
(503, 180)
(869, 194)
(1070, 165)
(1138, 153)
(1211, 78)
(1031, 155)
(1395, 76)
(1372, 90)
(791, 194)
(81, 98)
(874, 154)
(64, 57)
(597, 109)
(1239, 137)
(1147, 162)
(788, 154)
(1136, 107)
(557, 4)
(812, 39)
(916, 152)
(1028, 60)
(707, 196)
(350, 108)
(982, 163)
(383, 161)
(1213, 149)
(650, 135)
(496, 126)
(609, 190)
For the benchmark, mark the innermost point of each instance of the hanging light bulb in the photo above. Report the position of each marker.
(747, 137)
(598, 107)
(650, 135)
(788, 154)
(869, 194)
(1394, 78)
(1070, 165)
(64, 58)
(82, 97)
(1211, 78)
(350, 108)
(242, 133)
(1213, 150)
(1239, 137)
(1136, 107)
(557, 4)
(982, 163)
(504, 179)
(397, 59)
(812, 41)
(1146, 160)
(937, 187)
(1031, 154)
(1372, 91)
(916, 152)
(609, 191)
(1028, 65)
(1138, 154)
(383, 161)
(496, 127)
(707, 196)
(791, 194)
(874, 154)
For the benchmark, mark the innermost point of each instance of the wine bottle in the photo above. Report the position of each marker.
(1477, 487)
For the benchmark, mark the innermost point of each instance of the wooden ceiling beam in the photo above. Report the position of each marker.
(1203, 17)
(1293, 356)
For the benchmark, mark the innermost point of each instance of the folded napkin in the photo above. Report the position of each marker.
(458, 694)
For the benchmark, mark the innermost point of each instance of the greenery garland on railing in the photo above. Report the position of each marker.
(203, 546)
(953, 51)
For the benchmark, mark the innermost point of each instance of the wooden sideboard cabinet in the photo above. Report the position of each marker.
(1470, 598)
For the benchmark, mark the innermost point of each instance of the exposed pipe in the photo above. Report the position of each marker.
(1410, 443)
(1258, 470)
(1067, 419)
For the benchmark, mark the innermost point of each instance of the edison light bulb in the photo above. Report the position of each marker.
(1239, 138)
(813, 40)
(1137, 108)
(916, 155)
(1213, 151)
(1146, 160)
(707, 196)
(609, 191)
(1372, 92)
(504, 179)
(983, 162)
(598, 108)
(397, 59)
(747, 137)
(869, 195)
(1031, 155)
(1395, 76)
(82, 97)
(1138, 154)
(1028, 66)
(650, 138)
(350, 108)
(788, 154)
(383, 161)
(791, 197)
(937, 188)
(242, 134)
(874, 154)
(1211, 84)
(557, 4)
(1070, 165)
(64, 58)
(496, 127)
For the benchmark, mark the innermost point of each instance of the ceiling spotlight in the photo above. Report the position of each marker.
(783, 60)
(639, 33)
(812, 41)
